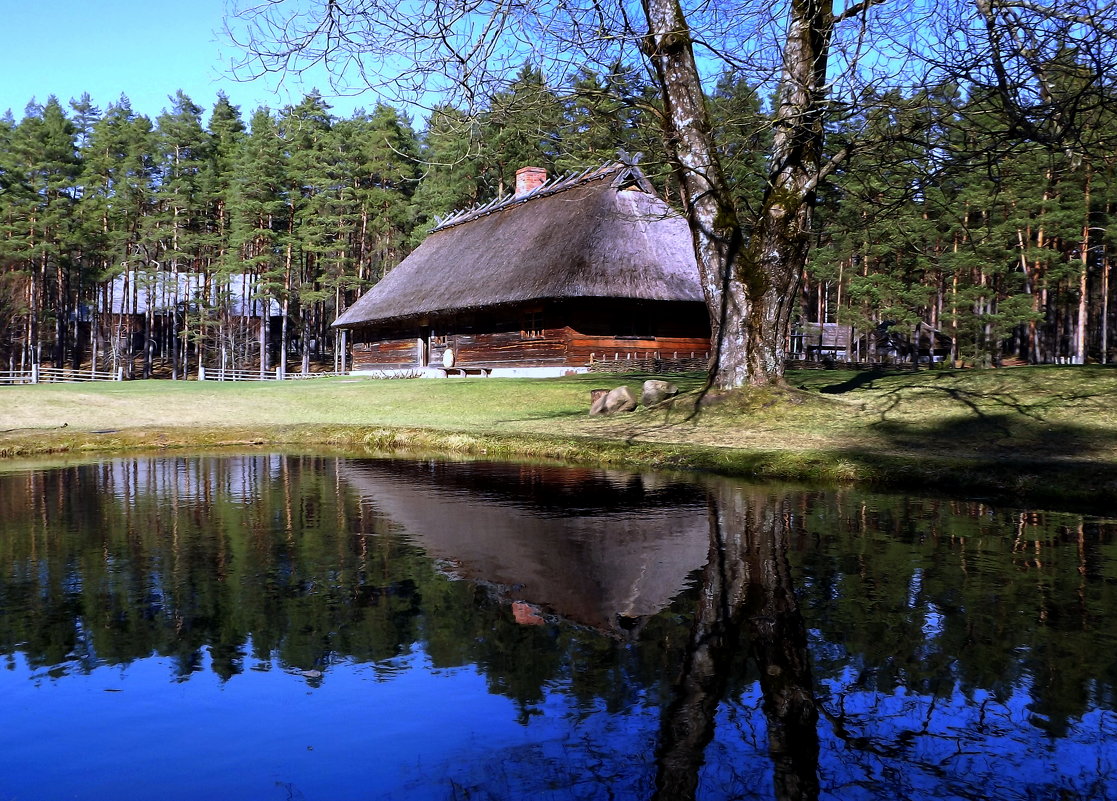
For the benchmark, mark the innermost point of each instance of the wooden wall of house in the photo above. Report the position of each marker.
(601, 329)
(581, 349)
(388, 354)
(506, 349)
(557, 333)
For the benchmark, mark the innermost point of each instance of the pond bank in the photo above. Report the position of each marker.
(1048, 482)
(1032, 435)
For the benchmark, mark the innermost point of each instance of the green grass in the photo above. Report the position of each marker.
(1030, 433)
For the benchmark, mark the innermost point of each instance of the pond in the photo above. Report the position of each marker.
(296, 627)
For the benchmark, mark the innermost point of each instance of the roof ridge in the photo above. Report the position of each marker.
(553, 186)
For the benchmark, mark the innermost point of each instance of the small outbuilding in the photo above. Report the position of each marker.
(591, 267)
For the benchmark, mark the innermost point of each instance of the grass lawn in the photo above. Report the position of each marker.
(1044, 432)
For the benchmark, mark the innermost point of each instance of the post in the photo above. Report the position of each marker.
(34, 372)
(201, 372)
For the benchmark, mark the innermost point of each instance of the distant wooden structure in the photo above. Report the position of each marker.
(145, 312)
(888, 343)
(820, 341)
(592, 267)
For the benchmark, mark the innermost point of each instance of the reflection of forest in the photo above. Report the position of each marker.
(952, 639)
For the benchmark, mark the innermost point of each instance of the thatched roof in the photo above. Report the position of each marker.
(602, 234)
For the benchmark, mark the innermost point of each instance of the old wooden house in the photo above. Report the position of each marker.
(589, 267)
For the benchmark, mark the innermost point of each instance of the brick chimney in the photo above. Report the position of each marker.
(528, 179)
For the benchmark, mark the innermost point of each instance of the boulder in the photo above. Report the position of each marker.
(656, 391)
(616, 400)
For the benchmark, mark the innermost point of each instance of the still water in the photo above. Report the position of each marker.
(274, 627)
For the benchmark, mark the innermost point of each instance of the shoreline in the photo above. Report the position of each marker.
(1029, 482)
(1029, 435)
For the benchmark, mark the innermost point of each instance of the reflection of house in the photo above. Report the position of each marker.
(598, 548)
(592, 266)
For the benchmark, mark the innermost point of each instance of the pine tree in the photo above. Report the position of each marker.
(234, 334)
(311, 184)
(520, 128)
(381, 165)
(258, 218)
(118, 191)
(607, 112)
(182, 264)
(38, 233)
(450, 157)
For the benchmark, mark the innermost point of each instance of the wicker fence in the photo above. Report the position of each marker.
(673, 365)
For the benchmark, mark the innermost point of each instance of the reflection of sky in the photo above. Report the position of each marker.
(410, 731)
(958, 746)
(133, 732)
(403, 729)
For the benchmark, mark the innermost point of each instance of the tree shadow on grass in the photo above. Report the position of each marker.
(857, 381)
(1017, 418)
(1000, 434)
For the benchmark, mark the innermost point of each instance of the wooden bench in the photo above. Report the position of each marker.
(462, 372)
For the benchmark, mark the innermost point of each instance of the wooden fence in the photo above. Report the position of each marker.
(57, 375)
(215, 374)
(686, 364)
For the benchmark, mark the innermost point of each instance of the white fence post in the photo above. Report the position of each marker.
(34, 374)
(201, 373)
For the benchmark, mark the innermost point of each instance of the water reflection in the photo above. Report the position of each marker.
(603, 549)
(647, 636)
(746, 604)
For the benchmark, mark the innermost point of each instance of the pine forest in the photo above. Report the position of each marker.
(205, 239)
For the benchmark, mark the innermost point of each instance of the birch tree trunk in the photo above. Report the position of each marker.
(710, 212)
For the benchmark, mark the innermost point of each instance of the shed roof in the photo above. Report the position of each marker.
(136, 291)
(602, 234)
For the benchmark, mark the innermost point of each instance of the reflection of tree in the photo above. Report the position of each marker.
(745, 589)
(953, 644)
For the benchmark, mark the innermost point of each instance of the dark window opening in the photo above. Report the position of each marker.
(532, 327)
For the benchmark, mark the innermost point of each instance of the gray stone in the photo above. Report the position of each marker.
(656, 391)
(616, 400)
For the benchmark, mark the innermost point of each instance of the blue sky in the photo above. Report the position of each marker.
(146, 49)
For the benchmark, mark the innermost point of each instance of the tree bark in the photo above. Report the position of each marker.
(750, 288)
(710, 211)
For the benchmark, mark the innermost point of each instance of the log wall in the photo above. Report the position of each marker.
(388, 354)
(566, 334)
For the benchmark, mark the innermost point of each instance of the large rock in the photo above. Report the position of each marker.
(616, 400)
(656, 391)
